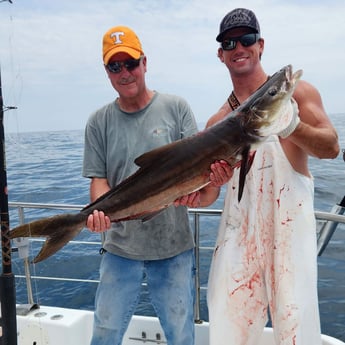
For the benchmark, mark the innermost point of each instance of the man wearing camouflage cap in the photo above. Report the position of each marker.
(265, 254)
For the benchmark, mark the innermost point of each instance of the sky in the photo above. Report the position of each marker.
(51, 53)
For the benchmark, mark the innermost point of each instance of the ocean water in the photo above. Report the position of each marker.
(46, 167)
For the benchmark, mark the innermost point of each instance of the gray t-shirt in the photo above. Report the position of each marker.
(113, 139)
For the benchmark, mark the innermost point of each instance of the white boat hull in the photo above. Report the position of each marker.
(56, 326)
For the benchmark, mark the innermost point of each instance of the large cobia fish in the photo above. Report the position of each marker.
(182, 167)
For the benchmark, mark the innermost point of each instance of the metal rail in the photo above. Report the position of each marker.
(326, 217)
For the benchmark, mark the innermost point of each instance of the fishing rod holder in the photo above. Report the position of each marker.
(328, 228)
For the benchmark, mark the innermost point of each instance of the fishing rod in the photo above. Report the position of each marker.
(7, 283)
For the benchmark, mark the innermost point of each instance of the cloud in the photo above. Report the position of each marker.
(51, 64)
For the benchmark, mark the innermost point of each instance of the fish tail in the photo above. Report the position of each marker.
(58, 230)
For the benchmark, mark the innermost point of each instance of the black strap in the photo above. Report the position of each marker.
(233, 101)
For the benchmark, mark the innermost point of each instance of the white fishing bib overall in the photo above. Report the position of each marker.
(266, 255)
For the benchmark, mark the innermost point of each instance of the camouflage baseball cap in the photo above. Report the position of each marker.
(239, 17)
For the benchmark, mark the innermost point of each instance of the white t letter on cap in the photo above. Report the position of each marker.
(117, 36)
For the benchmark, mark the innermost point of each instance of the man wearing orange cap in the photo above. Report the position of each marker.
(160, 249)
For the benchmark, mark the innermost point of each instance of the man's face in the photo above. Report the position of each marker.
(128, 76)
(240, 49)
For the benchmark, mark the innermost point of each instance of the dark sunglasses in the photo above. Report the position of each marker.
(246, 40)
(130, 64)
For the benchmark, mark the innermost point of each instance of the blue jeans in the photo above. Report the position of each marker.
(172, 293)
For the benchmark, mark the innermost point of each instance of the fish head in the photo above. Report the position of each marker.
(271, 109)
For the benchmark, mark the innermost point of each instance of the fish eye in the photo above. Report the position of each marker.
(272, 91)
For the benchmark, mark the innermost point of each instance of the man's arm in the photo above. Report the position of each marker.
(315, 134)
(98, 221)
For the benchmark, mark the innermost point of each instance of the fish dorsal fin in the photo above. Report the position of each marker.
(158, 154)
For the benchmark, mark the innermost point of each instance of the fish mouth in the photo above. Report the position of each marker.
(273, 112)
(288, 72)
(290, 79)
(293, 78)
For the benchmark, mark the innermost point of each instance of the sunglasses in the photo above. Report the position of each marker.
(130, 64)
(246, 40)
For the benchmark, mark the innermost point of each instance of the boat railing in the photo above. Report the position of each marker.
(328, 222)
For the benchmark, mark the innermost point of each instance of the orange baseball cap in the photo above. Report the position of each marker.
(121, 39)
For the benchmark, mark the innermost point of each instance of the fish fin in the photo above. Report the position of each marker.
(246, 163)
(159, 154)
(58, 230)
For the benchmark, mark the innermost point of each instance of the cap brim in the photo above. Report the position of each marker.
(130, 51)
(220, 36)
